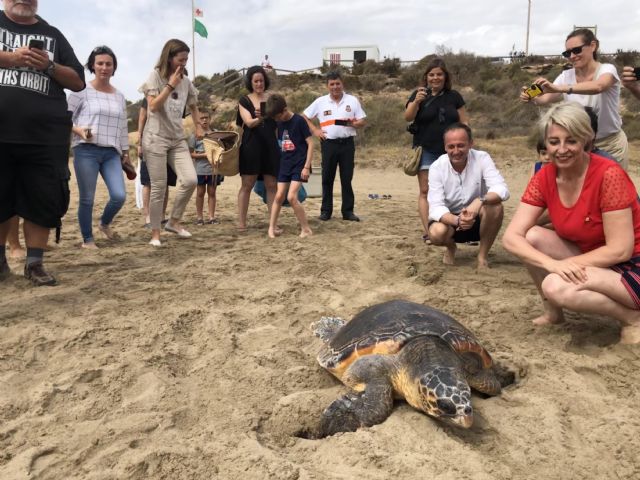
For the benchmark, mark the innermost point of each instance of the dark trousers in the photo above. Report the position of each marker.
(337, 154)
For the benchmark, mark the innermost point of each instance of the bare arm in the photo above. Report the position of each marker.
(67, 77)
(195, 115)
(462, 116)
(359, 123)
(247, 119)
(316, 131)
(619, 241)
(593, 87)
(412, 107)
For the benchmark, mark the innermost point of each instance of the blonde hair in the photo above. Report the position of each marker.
(570, 116)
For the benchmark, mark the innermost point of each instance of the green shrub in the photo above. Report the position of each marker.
(373, 82)
(385, 121)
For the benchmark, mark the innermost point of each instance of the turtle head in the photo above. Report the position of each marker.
(445, 394)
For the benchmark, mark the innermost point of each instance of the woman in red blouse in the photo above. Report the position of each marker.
(590, 261)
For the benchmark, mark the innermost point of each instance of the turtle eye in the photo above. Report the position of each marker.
(446, 406)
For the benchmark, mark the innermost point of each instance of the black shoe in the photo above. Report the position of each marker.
(5, 271)
(324, 216)
(38, 275)
(351, 217)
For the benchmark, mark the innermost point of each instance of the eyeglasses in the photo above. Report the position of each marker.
(441, 118)
(574, 50)
(174, 95)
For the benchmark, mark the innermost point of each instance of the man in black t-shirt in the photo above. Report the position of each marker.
(36, 65)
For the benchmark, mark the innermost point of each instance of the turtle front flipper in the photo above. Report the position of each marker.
(370, 405)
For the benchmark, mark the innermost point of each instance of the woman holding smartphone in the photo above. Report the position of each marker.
(259, 152)
(432, 108)
(168, 91)
(592, 84)
(96, 147)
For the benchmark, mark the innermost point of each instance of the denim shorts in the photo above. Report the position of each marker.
(427, 159)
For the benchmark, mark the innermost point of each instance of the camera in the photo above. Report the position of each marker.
(636, 71)
(534, 90)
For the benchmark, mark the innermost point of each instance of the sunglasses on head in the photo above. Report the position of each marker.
(574, 50)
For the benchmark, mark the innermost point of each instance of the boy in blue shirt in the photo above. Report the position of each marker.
(296, 147)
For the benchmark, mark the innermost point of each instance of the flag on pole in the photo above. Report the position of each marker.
(200, 29)
(198, 12)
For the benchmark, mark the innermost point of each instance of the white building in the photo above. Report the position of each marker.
(349, 56)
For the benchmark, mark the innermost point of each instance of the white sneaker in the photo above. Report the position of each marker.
(155, 242)
(181, 233)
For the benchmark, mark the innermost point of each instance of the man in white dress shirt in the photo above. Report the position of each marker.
(466, 192)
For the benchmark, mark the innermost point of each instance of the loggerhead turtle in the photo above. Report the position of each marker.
(399, 348)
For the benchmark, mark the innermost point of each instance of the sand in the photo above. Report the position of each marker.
(196, 361)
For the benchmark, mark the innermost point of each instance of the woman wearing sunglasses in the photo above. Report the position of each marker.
(168, 91)
(592, 84)
(432, 108)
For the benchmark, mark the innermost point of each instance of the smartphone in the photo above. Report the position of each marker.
(35, 43)
(534, 90)
(636, 71)
(263, 109)
(343, 123)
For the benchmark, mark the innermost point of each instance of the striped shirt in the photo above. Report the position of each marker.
(106, 115)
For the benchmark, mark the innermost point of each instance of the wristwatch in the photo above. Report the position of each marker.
(51, 68)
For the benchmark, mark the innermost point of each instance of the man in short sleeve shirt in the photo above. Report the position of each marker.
(339, 115)
(466, 192)
(35, 129)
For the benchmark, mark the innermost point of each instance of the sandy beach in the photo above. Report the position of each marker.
(196, 360)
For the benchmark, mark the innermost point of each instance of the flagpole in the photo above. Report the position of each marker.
(193, 38)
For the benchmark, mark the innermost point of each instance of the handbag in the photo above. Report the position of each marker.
(411, 164)
(223, 151)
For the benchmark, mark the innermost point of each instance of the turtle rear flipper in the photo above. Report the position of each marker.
(326, 327)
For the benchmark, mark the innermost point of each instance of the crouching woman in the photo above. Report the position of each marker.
(590, 261)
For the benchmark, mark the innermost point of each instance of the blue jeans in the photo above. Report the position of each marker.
(427, 159)
(88, 160)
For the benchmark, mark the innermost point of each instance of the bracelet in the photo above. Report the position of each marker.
(458, 221)
(170, 86)
(570, 91)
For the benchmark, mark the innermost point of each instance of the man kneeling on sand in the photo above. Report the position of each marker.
(465, 197)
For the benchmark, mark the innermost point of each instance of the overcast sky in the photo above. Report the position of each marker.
(293, 32)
